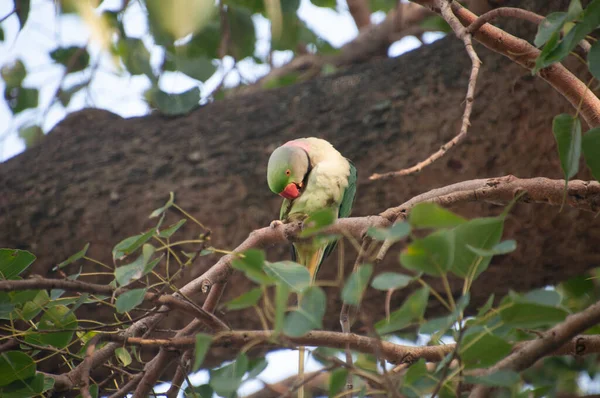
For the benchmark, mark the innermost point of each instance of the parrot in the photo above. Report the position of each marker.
(311, 175)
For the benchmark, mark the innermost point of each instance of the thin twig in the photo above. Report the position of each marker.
(510, 12)
(87, 364)
(463, 34)
(14, 10)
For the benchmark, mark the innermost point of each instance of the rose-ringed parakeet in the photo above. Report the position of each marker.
(311, 175)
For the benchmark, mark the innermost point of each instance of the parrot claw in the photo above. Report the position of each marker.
(276, 223)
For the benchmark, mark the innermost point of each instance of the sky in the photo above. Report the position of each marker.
(120, 93)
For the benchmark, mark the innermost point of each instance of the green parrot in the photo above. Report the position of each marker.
(311, 175)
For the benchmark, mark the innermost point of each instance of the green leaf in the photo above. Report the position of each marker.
(176, 104)
(500, 378)
(15, 365)
(541, 296)
(198, 67)
(13, 74)
(281, 81)
(431, 215)
(75, 59)
(282, 293)
(22, 296)
(504, 247)
(246, 300)
(309, 315)
(65, 95)
(337, 381)
(411, 311)
(432, 255)
(317, 221)
(129, 300)
(567, 132)
(131, 244)
(127, 273)
(205, 43)
(1, 34)
(227, 379)
(22, 8)
(391, 280)
(355, 285)
(242, 33)
(289, 273)
(13, 262)
(555, 51)
(594, 60)
(135, 57)
(93, 391)
(31, 387)
(482, 349)
(57, 318)
(203, 391)
(252, 263)
(325, 3)
(552, 24)
(294, 31)
(481, 233)
(21, 98)
(32, 308)
(591, 151)
(531, 315)
(167, 205)
(395, 233)
(415, 372)
(168, 232)
(255, 367)
(123, 356)
(203, 342)
(170, 21)
(439, 326)
(31, 135)
(577, 286)
(486, 307)
(574, 11)
(77, 256)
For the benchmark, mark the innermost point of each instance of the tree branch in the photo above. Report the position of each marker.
(510, 12)
(554, 341)
(396, 353)
(580, 194)
(524, 54)
(86, 366)
(359, 9)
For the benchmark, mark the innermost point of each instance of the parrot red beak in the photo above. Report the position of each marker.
(291, 191)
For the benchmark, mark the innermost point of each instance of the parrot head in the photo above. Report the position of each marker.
(287, 169)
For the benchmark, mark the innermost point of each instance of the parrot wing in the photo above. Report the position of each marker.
(345, 206)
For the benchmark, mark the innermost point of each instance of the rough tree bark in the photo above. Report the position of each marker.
(97, 177)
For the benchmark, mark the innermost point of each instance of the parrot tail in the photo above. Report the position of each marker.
(311, 259)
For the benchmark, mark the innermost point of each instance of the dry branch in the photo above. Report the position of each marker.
(393, 353)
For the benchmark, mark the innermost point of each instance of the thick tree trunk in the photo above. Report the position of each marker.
(97, 177)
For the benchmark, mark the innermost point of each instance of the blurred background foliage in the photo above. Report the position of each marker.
(135, 56)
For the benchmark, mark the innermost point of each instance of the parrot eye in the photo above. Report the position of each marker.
(288, 172)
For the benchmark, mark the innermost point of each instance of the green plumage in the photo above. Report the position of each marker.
(345, 209)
